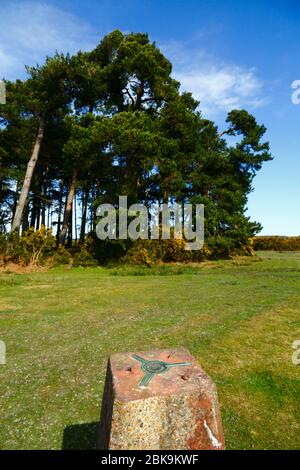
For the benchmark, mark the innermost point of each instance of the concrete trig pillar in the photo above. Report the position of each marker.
(159, 400)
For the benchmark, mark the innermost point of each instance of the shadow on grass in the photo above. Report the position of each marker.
(80, 436)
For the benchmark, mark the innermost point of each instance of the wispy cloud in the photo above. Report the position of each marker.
(223, 88)
(29, 30)
(218, 86)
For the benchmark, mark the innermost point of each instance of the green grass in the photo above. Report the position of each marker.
(239, 318)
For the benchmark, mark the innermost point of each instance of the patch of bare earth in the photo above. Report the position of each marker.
(14, 268)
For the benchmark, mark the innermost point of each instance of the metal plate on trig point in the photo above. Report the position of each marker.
(154, 367)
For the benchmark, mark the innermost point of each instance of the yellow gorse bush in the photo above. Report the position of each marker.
(276, 243)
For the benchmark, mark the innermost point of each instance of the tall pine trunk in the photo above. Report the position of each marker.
(28, 176)
(68, 211)
(16, 197)
(43, 204)
(70, 230)
(75, 218)
(60, 205)
(34, 210)
(85, 198)
(25, 222)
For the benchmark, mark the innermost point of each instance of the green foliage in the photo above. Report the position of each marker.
(150, 252)
(35, 246)
(3, 248)
(3, 243)
(61, 256)
(116, 124)
(108, 251)
(47, 91)
(275, 243)
(84, 259)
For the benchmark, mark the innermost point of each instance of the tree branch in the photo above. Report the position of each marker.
(130, 96)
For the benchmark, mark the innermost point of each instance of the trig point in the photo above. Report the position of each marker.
(159, 400)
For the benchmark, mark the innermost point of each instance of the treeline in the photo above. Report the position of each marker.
(276, 243)
(83, 129)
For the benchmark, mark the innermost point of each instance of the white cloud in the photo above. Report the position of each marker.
(219, 87)
(222, 88)
(29, 30)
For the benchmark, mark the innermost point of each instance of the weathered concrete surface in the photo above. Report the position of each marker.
(178, 410)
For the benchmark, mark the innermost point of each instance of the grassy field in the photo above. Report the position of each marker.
(239, 318)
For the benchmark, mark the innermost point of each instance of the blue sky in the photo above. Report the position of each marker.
(230, 54)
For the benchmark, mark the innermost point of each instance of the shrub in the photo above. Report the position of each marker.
(150, 252)
(107, 251)
(31, 248)
(84, 258)
(276, 243)
(36, 245)
(3, 248)
(61, 256)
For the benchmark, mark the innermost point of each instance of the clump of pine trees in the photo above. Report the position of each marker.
(81, 130)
